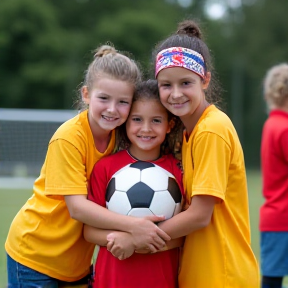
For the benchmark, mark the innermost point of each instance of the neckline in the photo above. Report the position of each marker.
(136, 159)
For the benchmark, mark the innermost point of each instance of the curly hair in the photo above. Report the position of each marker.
(148, 90)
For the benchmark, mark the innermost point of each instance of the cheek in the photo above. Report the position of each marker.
(163, 97)
(125, 111)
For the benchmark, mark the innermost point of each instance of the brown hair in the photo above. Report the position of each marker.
(108, 62)
(189, 35)
(148, 90)
(276, 86)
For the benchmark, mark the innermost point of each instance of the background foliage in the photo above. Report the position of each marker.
(46, 46)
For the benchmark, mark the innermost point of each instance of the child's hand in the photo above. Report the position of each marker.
(143, 251)
(147, 235)
(120, 244)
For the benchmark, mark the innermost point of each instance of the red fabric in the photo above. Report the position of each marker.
(274, 165)
(159, 270)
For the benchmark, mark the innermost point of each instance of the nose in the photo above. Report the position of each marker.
(176, 92)
(146, 126)
(111, 107)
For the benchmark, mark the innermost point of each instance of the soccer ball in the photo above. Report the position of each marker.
(141, 189)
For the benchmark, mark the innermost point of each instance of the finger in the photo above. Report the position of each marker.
(152, 248)
(162, 234)
(159, 243)
(110, 237)
(110, 245)
(115, 251)
(115, 254)
(155, 218)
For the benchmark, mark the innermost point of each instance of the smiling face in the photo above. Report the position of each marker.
(182, 93)
(109, 104)
(146, 128)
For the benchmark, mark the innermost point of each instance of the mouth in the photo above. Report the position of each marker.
(178, 104)
(109, 119)
(146, 138)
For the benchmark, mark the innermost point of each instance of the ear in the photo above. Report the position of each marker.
(206, 80)
(171, 124)
(85, 95)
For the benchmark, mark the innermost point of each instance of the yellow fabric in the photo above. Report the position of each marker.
(42, 235)
(219, 255)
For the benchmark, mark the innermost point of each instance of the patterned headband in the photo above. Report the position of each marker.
(180, 57)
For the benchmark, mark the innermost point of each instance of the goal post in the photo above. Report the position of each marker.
(24, 137)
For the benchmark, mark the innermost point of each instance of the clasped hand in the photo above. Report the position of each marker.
(145, 235)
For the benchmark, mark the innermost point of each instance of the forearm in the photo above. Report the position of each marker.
(196, 217)
(175, 243)
(172, 244)
(96, 235)
(145, 233)
(180, 225)
(88, 212)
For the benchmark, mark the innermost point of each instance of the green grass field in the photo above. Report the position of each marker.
(11, 200)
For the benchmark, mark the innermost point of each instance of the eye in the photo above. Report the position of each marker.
(124, 102)
(136, 119)
(185, 83)
(103, 97)
(157, 121)
(164, 85)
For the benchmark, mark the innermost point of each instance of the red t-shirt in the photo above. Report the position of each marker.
(159, 270)
(274, 165)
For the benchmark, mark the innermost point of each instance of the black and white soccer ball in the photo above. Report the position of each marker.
(141, 189)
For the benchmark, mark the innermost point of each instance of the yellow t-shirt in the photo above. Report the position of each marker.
(42, 235)
(220, 254)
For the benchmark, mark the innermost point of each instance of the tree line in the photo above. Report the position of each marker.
(46, 46)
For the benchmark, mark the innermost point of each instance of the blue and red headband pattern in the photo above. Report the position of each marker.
(180, 57)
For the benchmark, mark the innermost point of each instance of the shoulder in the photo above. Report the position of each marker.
(113, 163)
(216, 122)
(169, 163)
(73, 129)
(112, 158)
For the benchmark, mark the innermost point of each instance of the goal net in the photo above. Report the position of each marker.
(24, 137)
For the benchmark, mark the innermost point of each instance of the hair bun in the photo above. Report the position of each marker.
(104, 50)
(189, 28)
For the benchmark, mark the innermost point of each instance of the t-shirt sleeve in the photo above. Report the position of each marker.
(65, 170)
(211, 159)
(97, 184)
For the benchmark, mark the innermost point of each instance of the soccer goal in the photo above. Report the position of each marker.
(24, 137)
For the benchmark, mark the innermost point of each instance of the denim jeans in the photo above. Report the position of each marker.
(20, 276)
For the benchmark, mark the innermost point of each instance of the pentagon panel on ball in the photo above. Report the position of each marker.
(141, 189)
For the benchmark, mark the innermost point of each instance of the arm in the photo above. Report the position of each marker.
(174, 243)
(65, 168)
(197, 216)
(144, 232)
(95, 235)
(99, 236)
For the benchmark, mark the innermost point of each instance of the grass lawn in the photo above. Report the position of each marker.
(11, 200)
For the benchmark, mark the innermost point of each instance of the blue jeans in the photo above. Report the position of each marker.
(20, 276)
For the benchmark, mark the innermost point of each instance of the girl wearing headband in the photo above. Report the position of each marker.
(217, 250)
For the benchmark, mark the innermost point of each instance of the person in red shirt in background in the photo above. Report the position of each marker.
(274, 166)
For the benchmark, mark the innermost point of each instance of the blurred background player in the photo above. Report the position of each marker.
(274, 167)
